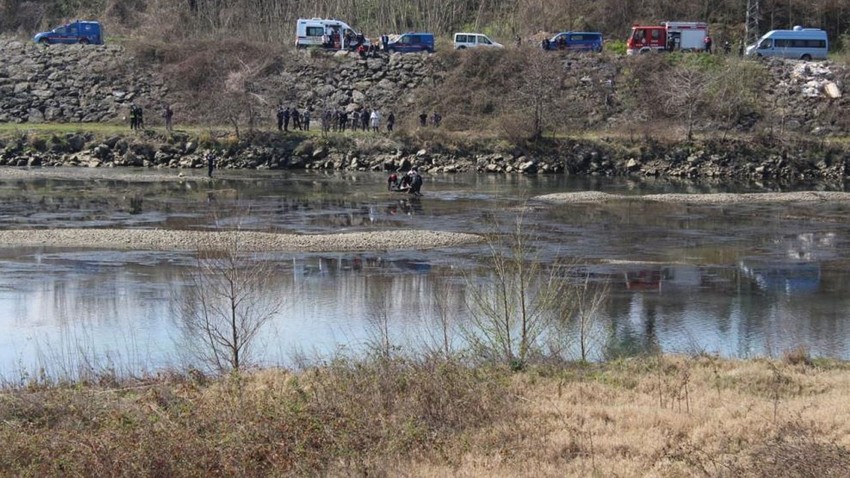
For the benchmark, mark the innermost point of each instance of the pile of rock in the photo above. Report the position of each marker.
(71, 83)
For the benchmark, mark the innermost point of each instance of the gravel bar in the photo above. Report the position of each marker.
(249, 241)
(718, 198)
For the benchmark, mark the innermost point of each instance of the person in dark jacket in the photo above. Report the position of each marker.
(390, 122)
(280, 109)
(296, 118)
(210, 164)
(168, 115)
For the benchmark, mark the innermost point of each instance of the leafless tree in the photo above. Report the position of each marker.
(536, 93)
(514, 303)
(684, 94)
(229, 300)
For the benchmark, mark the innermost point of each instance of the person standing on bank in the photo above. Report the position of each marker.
(168, 114)
(134, 121)
(376, 120)
(390, 122)
(210, 164)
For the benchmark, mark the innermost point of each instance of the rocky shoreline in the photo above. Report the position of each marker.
(708, 159)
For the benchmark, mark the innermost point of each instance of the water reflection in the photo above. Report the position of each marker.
(739, 280)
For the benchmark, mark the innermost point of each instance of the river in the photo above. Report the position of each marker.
(738, 280)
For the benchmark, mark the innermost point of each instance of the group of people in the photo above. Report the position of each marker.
(410, 183)
(334, 120)
(436, 118)
(137, 117)
(300, 120)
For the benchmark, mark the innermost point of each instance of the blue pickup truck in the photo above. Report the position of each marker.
(82, 32)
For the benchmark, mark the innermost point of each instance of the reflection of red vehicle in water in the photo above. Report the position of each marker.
(656, 277)
(643, 280)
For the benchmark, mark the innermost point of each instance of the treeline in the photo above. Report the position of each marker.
(273, 20)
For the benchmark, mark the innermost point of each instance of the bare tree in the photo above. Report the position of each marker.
(536, 93)
(513, 305)
(229, 300)
(589, 300)
(684, 94)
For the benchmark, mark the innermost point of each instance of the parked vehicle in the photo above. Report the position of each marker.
(326, 33)
(474, 40)
(575, 41)
(411, 43)
(799, 43)
(669, 36)
(80, 31)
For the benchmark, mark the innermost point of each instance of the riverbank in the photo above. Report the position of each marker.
(436, 152)
(655, 416)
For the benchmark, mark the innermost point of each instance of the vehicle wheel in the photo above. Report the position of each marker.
(44, 41)
(461, 47)
(806, 57)
(84, 41)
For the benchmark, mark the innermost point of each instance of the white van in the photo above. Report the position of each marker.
(799, 43)
(474, 40)
(326, 33)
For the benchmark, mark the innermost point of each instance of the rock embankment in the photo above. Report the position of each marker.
(726, 159)
(345, 81)
(249, 241)
(71, 83)
(710, 159)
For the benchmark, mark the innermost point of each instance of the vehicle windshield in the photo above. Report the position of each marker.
(765, 43)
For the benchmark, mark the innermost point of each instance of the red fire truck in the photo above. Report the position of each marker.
(669, 36)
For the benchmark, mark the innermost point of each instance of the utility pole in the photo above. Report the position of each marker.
(751, 28)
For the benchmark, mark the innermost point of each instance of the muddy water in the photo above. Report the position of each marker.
(735, 279)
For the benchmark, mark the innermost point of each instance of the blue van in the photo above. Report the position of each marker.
(82, 32)
(574, 41)
(411, 43)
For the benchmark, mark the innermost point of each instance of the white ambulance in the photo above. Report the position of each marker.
(327, 33)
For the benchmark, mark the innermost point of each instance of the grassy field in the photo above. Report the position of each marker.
(655, 416)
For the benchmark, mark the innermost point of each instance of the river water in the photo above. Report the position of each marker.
(739, 280)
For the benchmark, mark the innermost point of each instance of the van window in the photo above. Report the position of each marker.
(766, 43)
(656, 34)
(575, 37)
(315, 31)
(484, 40)
(461, 39)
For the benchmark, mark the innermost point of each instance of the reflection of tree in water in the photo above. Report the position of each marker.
(633, 328)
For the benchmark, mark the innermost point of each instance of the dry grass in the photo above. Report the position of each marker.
(664, 417)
